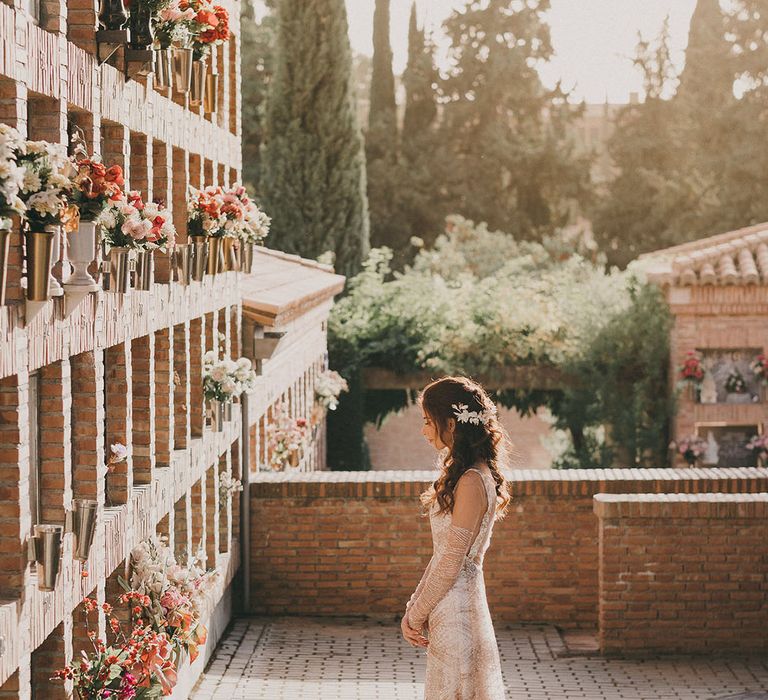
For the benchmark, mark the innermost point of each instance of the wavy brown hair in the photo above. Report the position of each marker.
(470, 443)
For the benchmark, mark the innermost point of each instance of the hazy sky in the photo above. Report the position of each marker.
(594, 40)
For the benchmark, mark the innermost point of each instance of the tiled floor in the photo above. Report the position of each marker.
(330, 659)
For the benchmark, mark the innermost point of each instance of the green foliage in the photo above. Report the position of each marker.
(606, 331)
(313, 169)
(381, 139)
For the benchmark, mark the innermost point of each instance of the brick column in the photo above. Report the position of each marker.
(14, 483)
(82, 23)
(196, 178)
(178, 196)
(50, 656)
(181, 530)
(197, 513)
(118, 420)
(164, 390)
(161, 187)
(88, 418)
(212, 515)
(143, 396)
(208, 172)
(196, 401)
(117, 148)
(55, 442)
(181, 394)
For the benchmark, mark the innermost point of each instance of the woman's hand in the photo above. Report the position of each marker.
(414, 637)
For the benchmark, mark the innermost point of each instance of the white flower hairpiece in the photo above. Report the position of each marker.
(464, 415)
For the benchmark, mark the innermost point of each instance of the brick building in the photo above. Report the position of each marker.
(717, 290)
(79, 374)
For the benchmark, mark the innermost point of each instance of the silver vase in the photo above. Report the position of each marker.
(163, 68)
(5, 246)
(84, 526)
(216, 414)
(247, 257)
(182, 69)
(119, 276)
(183, 260)
(47, 543)
(227, 411)
(200, 257)
(81, 253)
(145, 270)
(197, 86)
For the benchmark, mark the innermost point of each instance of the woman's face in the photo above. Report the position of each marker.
(432, 434)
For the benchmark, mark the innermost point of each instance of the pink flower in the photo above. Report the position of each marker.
(137, 229)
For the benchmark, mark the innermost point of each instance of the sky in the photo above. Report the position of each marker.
(594, 40)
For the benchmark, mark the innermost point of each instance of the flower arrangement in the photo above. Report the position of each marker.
(94, 186)
(129, 222)
(204, 212)
(690, 448)
(11, 175)
(759, 444)
(253, 223)
(171, 24)
(46, 183)
(734, 382)
(286, 438)
(328, 387)
(224, 379)
(759, 367)
(228, 487)
(692, 371)
(138, 665)
(167, 597)
(210, 26)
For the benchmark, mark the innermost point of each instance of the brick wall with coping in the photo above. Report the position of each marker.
(683, 573)
(349, 543)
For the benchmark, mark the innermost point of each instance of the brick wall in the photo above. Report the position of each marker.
(348, 543)
(683, 573)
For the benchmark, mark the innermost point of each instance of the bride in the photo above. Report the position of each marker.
(448, 612)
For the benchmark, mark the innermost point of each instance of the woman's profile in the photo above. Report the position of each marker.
(448, 612)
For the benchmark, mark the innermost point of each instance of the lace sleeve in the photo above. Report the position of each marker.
(420, 587)
(469, 506)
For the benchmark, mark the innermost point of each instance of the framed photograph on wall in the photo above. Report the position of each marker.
(728, 377)
(727, 444)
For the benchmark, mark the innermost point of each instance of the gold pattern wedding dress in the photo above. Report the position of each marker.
(462, 656)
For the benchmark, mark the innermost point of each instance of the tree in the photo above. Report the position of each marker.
(313, 178)
(505, 156)
(258, 43)
(381, 139)
(420, 80)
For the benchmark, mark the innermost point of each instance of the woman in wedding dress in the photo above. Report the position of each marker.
(448, 612)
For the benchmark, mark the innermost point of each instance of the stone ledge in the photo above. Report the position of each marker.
(583, 483)
(681, 505)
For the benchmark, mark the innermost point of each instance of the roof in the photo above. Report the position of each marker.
(735, 258)
(283, 286)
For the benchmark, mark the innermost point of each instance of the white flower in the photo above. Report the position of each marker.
(31, 181)
(119, 451)
(47, 202)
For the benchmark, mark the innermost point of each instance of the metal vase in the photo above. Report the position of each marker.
(182, 68)
(145, 270)
(112, 14)
(84, 526)
(211, 93)
(230, 254)
(140, 25)
(227, 411)
(216, 414)
(48, 555)
(183, 259)
(119, 270)
(54, 288)
(197, 87)
(246, 257)
(81, 253)
(294, 458)
(215, 250)
(5, 243)
(39, 250)
(163, 68)
(200, 257)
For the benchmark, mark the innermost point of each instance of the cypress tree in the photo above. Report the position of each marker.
(313, 170)
(381, 139)
(419, 78)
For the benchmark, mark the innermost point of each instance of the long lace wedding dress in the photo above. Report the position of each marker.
(462, 656)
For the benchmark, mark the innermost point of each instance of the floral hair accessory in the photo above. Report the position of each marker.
(463, 415)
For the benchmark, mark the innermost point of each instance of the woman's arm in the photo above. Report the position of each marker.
(469, 506)
(420, 587)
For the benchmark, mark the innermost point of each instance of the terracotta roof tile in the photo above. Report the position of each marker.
(735, 258)
(282, 286)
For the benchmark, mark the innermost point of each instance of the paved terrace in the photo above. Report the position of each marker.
(310, 658)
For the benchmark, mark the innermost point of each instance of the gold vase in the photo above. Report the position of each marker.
(202, 253)
(214, 256)
(183, 259)
(197, 86)
(182, 68)
(39, 249)
(119, 275)
(230, 249)
(246, 257)
(5, 243)
(145, 270)
(211, 93)
(163, 68)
